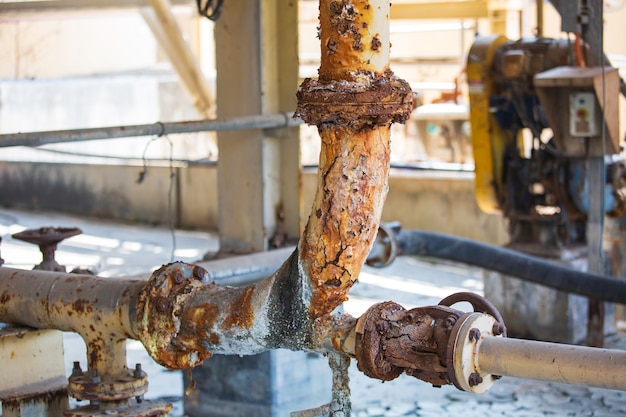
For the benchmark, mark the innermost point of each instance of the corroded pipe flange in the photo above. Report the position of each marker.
(370, 332)
(124, 387)
(390, 340)
(371, 100)
(463, 368)
(159, 310)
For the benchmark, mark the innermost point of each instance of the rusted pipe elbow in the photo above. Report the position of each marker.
(353, 105)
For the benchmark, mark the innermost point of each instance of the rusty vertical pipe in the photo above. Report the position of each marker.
(353, 105)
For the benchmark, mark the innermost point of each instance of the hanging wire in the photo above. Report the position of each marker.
(170, 191)
(211, 9)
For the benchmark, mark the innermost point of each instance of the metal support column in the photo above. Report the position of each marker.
(591, 22)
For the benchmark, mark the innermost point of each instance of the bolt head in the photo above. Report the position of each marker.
(474, 334)
(474, 379)
(497, 329)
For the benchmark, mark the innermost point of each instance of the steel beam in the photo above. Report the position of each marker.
(473, 9)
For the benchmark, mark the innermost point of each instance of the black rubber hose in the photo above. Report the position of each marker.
(512, 263)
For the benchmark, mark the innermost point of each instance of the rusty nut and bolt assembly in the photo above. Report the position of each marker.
(474, 335)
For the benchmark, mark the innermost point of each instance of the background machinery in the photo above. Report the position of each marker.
(545, 136)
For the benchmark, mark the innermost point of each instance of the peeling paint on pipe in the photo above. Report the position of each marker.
(99, 309)
(353, 105)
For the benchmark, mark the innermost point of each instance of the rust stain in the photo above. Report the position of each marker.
(241, 312)
(170, 329)
(5, 298)
(352, 185)
(213, 338)
(344, 28)
(204, 315)
(82, 306)
(353, 104)
(94, 353)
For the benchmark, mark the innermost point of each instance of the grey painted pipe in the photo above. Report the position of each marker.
(579, 365)
(34, 139)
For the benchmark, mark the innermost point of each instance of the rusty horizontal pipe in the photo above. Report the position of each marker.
(101, 310)
(69, 302)
(34, 139)
(579, 365)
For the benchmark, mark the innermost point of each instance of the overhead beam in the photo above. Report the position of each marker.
(163, 25)
(470, 9)
(47, 6)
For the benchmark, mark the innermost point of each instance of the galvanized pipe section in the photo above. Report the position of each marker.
(34, 139)
(580, 365)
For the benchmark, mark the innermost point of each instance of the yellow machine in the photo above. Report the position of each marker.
(535, 117)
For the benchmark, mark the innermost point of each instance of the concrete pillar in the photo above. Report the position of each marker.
(258, 203)
(535, 312)
(271, 384)
(257, 73)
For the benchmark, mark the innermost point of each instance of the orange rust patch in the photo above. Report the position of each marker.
(241, 313)
(213, 338)
(201, 320)
(344, 25)
(352, 185)
(82, 306)
(95, 354)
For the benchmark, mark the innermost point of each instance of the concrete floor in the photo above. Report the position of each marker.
(115, 250)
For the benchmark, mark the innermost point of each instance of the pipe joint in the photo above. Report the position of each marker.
(391, 340)
(372, 99)
(466, 336)
(159, 310)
